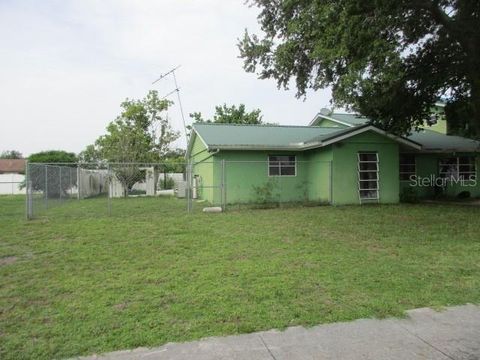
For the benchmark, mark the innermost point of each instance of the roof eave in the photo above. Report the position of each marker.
(257, 147)
(450, 150)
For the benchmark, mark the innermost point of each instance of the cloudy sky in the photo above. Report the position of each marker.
(65, 66)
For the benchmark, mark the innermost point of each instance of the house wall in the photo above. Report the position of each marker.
(320, 174)
(326, 175)
(345, 168)
(427, 165)
(202, 169)
(247, 180)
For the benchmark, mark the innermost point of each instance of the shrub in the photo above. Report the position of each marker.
(265, 194)
(409, 195)
(464, 195)
(167, 183)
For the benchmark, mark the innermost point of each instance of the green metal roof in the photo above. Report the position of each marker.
(341, 118)
(351, 119)
(435, 141)
(225, 136)
(276, 137)
(430, 140)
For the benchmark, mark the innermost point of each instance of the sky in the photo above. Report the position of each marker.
(65, 67)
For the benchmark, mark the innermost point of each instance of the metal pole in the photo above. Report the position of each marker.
(180, 103)
(109, 205)
(189, 187)
(223, 185)
(60, 183)
(78, 181)
(46, 187)
(27, 201)
(331, 182)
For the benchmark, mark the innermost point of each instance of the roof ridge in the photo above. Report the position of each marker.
(265, 125)
(344, 113)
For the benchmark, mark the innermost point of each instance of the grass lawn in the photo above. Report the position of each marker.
(76, 281)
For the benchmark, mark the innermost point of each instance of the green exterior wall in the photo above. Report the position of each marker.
(345, 168)
(203, 169)
(320, 174)
(427, 166)
(246, 173)
(326, 175)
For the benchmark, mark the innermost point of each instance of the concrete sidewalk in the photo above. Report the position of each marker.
(425, 334)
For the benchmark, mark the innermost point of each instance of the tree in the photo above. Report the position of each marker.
(141, 133)
(89, 155)
(11, 154)
(390, 60)
(230, 115)
(52, 157)
(53, 180)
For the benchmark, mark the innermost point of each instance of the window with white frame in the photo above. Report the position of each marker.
(282, 165)
(460, 167)
(368, 175)
(408, 167)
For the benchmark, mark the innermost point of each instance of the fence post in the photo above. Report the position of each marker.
(223, 186)
(27, 198)
(46, 187)
(60, 183)
(330, 187)
(78, 181)
(188, 187)
(109, 205)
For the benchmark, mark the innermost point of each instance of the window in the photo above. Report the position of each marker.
(282, 165)
(408, 166)
(368, 175)
(462, 167)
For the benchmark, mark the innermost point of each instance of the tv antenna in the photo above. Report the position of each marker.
(176, 90)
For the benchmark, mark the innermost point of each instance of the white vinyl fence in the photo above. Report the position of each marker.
(10, 184)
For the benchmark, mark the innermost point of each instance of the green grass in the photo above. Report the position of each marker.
(76, 281)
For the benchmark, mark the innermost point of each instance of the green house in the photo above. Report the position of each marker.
(336, 159)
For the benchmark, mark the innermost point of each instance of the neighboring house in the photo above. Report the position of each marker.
(438, 120)
(337, 159)
(11, 176)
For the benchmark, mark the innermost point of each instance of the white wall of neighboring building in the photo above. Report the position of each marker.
(9, 184)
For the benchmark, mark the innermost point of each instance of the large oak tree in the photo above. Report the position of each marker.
(231, 115)
(390, 60)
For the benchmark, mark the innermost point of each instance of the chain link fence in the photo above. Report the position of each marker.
(123, 189)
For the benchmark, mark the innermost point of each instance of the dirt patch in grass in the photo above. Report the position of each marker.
(8, 260)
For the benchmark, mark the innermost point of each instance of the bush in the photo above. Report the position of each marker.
(167, 184)
(464, 195)
(265, 194)
(409, 195)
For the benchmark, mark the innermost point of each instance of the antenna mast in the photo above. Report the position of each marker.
(177, 90)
